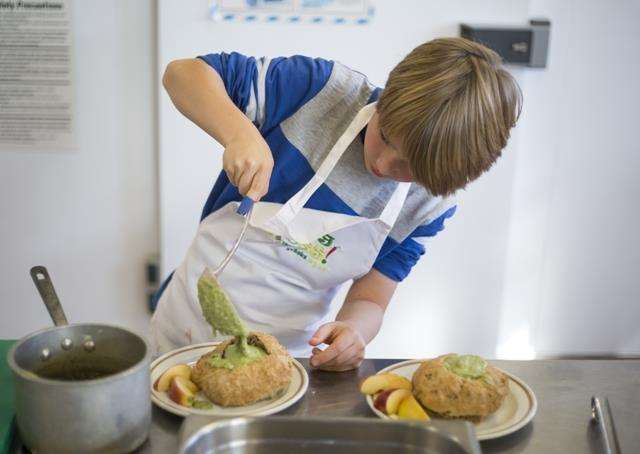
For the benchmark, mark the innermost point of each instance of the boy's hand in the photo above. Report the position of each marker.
(248, 162)
(345, 350)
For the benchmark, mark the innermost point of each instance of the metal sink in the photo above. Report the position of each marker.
(287, 434)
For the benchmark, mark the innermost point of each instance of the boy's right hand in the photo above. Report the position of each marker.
(248, 162)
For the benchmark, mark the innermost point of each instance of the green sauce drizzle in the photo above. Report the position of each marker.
(224, 319)
(467, 366)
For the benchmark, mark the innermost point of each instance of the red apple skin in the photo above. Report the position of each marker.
(381, 400)
(179, 393)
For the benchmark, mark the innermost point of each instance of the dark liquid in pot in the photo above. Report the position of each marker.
(77, 369)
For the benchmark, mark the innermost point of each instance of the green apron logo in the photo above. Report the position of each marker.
(316, 254)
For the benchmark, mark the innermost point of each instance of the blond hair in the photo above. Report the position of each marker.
(451, 104)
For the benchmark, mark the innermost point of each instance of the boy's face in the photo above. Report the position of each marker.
(382, 155)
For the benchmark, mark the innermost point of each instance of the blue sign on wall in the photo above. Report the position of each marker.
(337, 12)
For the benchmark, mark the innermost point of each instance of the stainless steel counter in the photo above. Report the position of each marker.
(563, 388)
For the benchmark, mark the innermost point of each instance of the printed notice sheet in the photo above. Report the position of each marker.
(36, 75)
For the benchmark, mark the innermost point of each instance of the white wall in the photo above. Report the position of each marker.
(574, 254)
(88, 215)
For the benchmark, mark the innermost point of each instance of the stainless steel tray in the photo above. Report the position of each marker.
(287, 434)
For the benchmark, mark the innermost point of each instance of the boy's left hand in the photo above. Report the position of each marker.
(345, 350)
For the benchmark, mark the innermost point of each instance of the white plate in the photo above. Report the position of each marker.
(518, 408)
(190, 355)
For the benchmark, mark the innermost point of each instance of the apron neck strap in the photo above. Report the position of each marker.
(291, 209)
(391, 212)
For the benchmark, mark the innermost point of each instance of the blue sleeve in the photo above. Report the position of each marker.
(395, 260)
(239, 74)
(270, 91)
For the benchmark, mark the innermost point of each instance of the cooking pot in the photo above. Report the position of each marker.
(81, 387)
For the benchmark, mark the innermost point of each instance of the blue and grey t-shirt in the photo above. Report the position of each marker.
(302, 106)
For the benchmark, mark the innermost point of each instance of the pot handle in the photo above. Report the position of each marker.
(41, 278)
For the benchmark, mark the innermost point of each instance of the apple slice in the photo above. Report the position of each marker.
(409, 408)
(387, 401)
(380, 400)
(382, 382)
(191, 386)
(181, 370)
(395, 398)
(180, 391)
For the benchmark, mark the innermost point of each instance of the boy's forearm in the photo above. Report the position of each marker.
(365, 316)
(199, 94)
(366, 302)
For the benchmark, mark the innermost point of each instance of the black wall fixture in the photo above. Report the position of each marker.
(527, 45)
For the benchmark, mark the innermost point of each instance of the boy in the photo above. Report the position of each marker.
(349, 178)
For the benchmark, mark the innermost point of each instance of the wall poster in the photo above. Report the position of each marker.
(36, 75)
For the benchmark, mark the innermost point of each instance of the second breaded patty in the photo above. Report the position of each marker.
(452, 395)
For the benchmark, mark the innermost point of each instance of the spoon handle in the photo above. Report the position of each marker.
(245, 209)
(41, 278)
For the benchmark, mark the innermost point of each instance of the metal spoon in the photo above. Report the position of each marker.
(245, 209)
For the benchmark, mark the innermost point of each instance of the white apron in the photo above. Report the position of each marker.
(288, 267)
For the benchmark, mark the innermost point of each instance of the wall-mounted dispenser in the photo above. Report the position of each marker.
(526, 45)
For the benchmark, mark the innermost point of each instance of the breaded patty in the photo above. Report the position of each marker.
(261, 379)
(451, 395)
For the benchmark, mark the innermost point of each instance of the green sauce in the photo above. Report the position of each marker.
(237, 354)
(223, 318)
(217, 309)
(467, 366)
(202, 404)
